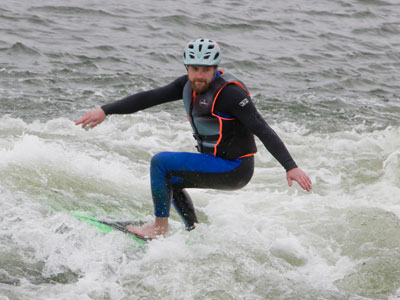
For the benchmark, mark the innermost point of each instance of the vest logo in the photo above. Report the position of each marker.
(243, 102)
(203, 102)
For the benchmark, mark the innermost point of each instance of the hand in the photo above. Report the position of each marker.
(92, 118)
(298, 175)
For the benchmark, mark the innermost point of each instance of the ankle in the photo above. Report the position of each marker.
(161, 225)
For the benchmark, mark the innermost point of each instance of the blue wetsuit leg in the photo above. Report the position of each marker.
(171, 172)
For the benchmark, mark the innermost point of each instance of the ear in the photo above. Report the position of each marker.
(215, 70)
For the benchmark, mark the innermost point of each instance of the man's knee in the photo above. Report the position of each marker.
(159, 159)
(156, 159)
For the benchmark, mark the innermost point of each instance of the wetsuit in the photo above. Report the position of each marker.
(172, 172)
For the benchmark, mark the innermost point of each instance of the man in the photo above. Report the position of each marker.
(224, 121)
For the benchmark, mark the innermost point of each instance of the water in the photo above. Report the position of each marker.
(324, 74)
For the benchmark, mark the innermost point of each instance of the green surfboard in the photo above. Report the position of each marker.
(109, 226)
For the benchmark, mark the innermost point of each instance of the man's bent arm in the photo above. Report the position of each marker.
(231, 101)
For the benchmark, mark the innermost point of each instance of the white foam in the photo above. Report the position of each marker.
(266, 231)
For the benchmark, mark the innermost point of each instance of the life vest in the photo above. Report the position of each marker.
(217, 134)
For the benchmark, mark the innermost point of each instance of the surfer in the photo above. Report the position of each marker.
(224, 121)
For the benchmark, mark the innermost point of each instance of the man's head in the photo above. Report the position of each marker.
(201, 58)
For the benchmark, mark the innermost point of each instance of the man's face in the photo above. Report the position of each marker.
(200, 77)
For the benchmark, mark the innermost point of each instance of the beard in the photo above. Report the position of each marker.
(199, 86)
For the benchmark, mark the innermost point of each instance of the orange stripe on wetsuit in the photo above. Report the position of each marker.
(222, 118)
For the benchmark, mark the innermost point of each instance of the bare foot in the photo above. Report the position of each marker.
(159, 227)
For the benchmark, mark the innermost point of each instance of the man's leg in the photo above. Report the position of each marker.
(171, 172)
(183, 204)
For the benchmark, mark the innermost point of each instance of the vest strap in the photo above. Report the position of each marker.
(206, 138)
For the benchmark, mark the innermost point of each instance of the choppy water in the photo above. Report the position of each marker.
(324, 74)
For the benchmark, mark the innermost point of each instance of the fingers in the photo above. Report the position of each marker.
(81, 120)
(300, 177)
(84, 120)
(92, 118)
(305, 183)
(93, 124)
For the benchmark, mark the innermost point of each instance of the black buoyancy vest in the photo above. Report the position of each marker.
(221, 135)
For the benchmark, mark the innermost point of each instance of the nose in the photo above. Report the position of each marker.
(200, 74)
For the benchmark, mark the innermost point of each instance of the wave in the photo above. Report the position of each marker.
(19, 48)
(71, 10)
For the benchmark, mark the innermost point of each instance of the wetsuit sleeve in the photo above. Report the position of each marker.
(143, 100)
(232, 101)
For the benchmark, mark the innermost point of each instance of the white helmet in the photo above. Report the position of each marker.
(202, 52)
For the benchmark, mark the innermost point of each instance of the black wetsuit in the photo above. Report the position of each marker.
(172, 172)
